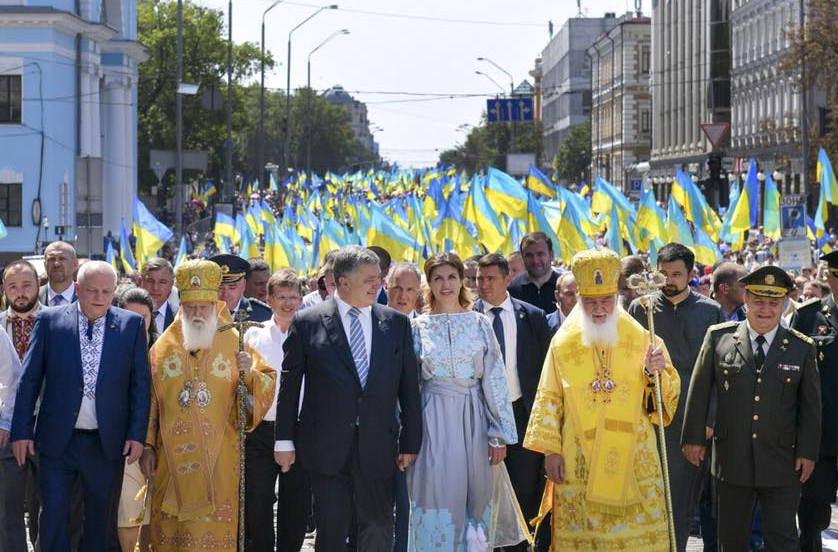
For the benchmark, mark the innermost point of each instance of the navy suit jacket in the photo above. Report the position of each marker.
(532, 344)
(43, 295)
(53, 360)
(334, 403)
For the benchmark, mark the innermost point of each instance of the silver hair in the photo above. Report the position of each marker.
(348, 259)
(403, 266)
(96, 267)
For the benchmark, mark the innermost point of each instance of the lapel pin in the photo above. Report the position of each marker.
(520, 315)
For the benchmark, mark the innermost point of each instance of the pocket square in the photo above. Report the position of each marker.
(788, 367)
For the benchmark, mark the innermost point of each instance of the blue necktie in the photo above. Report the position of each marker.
(57, 300)
(358, 346)
(497, 325)
(89, 330)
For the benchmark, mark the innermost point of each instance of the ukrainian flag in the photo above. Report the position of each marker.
(451, 230)
(828, 192)
(705, 249)
(110, 255)
(477, 210)
(571, 237)
(149, 232)
(536, 221)
(650, 217)
(677, 228)
(181, 252)
(771, 209)
(505, 194)
(745, 210)
(538, 182)
(385, 233)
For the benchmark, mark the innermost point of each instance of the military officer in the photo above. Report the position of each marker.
(768, 419)
(818, 318)
(234, 271)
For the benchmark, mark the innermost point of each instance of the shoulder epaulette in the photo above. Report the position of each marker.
(801, 336)
(723, 325)
(254, 301)
(809, 303)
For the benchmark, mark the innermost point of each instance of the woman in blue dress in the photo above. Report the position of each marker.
(459, 480)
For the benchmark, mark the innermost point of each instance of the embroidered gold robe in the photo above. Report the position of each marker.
(612, 496)
(194, 493)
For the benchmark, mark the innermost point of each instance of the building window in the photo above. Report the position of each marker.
(10, 99)
(10, 204)
(645, 121)
(645, 59)
(824, 121)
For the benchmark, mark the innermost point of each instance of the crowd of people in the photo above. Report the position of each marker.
(492, 402)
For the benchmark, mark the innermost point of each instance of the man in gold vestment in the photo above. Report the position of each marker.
(192, 445)
(593, 417)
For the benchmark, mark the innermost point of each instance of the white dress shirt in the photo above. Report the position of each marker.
(91, 358)
(67, 294)
(365, 318)
(769, 337)
(160, 319)
(10, 372)
(510, 343)
(310, 299)
(268, 341)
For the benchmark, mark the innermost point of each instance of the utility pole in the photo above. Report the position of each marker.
(179, 124)
(228, 161)
(804, 106)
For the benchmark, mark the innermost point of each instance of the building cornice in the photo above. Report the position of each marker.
(28, 17)
(131, 48)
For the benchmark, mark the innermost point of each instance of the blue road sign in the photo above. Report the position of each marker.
(518, 108)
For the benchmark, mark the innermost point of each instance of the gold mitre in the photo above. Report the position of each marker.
(198, 280)
(597, 271)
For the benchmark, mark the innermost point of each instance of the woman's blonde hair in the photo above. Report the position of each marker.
(445, 259)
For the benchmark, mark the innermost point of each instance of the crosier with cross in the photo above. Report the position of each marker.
(241, 324)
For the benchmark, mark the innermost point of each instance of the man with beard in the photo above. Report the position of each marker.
(61, 263)
(18, 493)
(593, 420)
(192, 444)
(682, 317)
(537, 285)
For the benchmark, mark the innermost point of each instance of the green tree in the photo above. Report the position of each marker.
(205, 63)
(487, 145)
(574, 154)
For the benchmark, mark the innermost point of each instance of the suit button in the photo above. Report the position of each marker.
(756, 398)
(754, 436)
(788, 380)
(759, 380)
(725, 372)
(756, 417)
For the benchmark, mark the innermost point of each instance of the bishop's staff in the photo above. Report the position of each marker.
(241, 324)
(645, 284)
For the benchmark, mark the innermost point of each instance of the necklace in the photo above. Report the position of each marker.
(195, 389)
(602, 383)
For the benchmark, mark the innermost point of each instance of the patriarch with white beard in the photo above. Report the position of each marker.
(592, 420)
(200, 323)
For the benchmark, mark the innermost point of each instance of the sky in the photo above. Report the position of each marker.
(412, 63)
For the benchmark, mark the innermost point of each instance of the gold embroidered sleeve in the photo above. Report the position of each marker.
(670, 390)
(261, 385)
(544, 432)
(152, 435)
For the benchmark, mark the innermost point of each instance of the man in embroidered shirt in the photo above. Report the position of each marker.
(593, 420)
(284, 295)
(192, 444)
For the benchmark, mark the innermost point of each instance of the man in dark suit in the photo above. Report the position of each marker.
(768, 421)
(234, 270)
(157, 277)
(61, 264)
(88, 360)
(818, 318)
(537, 285)
(566, 291)
(524, 336)
(384, 261)
(358, 361)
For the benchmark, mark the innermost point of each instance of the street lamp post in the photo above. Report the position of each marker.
(287, 152)
(260, 154)
(179, 123)
(308, 98)
(502, 70)
(228, 160)
(509, 108)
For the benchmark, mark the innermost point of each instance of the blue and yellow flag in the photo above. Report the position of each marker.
(128, 263)
(181, 252)
(505, 194)
(745, 211)
(677, 228)
(477, 210)
(771, 209)
(385, 233)
(538, 182)
(149, 232)
(705, 249)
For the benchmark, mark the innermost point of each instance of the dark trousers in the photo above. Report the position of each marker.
(337, 496)
(402, 511)
(18, 496)
(83, 458)
(706, 511)
(526, 472)
(735, 510)
(816, 499)
(261, 477)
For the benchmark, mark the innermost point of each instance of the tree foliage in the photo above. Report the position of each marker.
(486, 145)
(815, 49)
(574, 154)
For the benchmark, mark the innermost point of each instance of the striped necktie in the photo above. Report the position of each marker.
(358, 346)
(57, 300)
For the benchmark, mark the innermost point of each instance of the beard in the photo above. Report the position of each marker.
(18, 306)
(199, 334)
(672, 291)
(602, 335)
